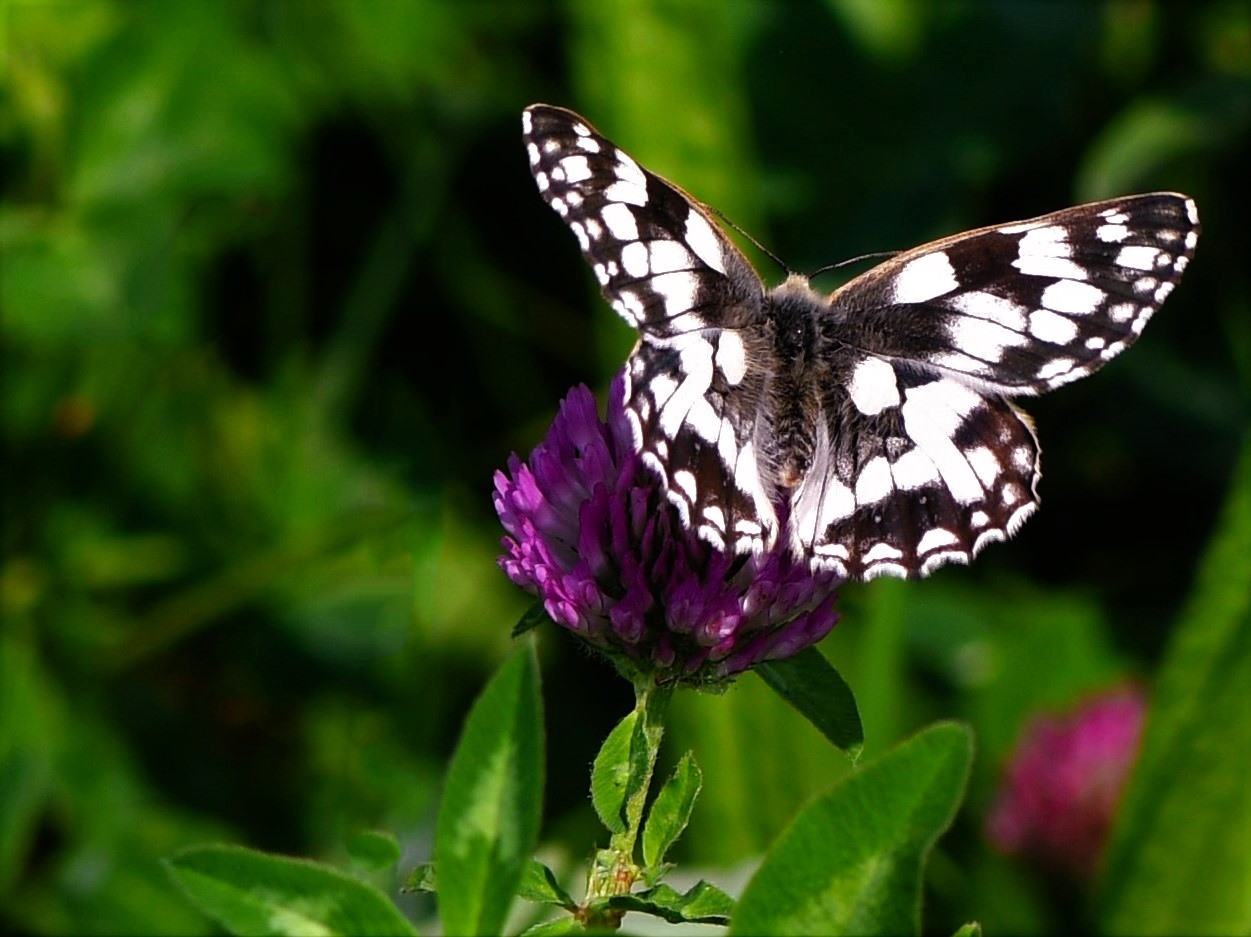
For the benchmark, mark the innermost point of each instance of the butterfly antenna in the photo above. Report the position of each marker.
(760, 247)
(851, 260)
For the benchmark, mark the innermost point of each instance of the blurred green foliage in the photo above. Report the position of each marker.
(278, 297)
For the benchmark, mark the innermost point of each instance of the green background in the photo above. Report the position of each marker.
(278, 297)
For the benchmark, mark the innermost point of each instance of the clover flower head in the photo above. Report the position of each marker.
(1063, 783)
(590, 531)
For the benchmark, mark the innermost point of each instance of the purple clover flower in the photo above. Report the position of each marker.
(1063, 783)
(591, 533)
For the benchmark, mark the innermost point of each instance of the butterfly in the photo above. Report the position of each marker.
(873, 429)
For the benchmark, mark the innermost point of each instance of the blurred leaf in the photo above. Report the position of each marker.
(374, 850)
(539, 885)
(702, 903)
(28, 740)
(890, 29)
(610, 774)
(1180, 858)
(671, 810)
(492, 802)
(972, 929)
(851, 863)
(250, 892)
(1134, 147)
(809, 683)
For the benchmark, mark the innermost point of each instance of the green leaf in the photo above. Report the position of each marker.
(1180, 857)
(701, 904)
(488, 822)
(561, 925)
(423, 878)
(374, 850)
(811, 684)
(671, 810)
(534, 616)
(610, 775)
(249, 892)
(539, 885)
(851, 862)
(971, 929)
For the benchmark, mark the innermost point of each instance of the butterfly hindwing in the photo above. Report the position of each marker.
(697, 432)
(1025, 307)
(927, 480)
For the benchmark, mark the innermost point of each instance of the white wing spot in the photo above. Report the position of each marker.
(703, 240)
(620, 222)
(1047, 241)
(677, 290)
(881, 551)
(873, 386)
(926, 277)
(625, 191)
(1052, 327)
(1068, 296)
(668, 256)
(1123, 312)
(1112, 233)
(1037, 265)
(1055, 368)
(981, 338)
(985, 465)
(634, 259)
(914, 470)
(629, 170)
(875, 482)
(577, 168)
(989, 306)
(712, 514)
(1137, 257)
(936, 538)
(731, 357)
(686, 481)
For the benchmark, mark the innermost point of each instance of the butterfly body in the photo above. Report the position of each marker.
(871, 428)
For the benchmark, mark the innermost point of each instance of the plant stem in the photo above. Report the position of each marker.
(614, 870)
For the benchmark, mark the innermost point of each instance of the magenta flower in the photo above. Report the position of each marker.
(591, 533)
(1063, 783)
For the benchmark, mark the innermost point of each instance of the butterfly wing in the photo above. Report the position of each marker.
(1024, 307)
(924, 460)
(926, 473)
(692, 395)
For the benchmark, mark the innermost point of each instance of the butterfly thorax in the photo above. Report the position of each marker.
(794, 312)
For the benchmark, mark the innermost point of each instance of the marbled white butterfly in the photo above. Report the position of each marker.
(872, 425)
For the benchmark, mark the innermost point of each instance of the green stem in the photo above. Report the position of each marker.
(614, 870)
(651, 702)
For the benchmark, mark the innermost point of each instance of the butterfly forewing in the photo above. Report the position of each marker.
(1024, 307)
(663, 264)
(874, 420)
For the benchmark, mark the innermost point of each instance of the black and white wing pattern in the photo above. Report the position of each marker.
(879, 415)
(665, 266)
